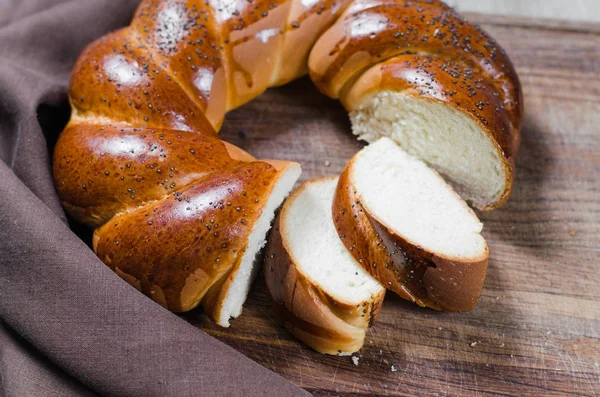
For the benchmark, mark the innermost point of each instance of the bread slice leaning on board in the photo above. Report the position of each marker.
(320, 292)
(409, 229)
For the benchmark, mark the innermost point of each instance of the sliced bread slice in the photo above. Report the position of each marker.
(320, 292)
(408, 228)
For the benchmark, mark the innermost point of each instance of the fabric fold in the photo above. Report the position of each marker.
(69, 325)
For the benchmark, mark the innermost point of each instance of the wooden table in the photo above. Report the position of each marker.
(536, 330)
(573, 10)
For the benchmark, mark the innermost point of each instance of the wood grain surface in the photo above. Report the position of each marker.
(536, 330)
(574, 10)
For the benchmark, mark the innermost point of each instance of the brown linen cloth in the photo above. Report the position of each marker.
(68, 325)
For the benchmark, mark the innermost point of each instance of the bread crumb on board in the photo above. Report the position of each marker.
(355, 360)
(393, 368)
(473, 344)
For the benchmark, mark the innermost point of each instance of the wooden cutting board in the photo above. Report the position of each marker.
(536, 330)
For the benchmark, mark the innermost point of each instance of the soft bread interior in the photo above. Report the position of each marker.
(447, 139)
(312, 241)
(414, 202)
(246, 273)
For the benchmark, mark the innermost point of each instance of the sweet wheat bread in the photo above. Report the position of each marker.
(141, 146)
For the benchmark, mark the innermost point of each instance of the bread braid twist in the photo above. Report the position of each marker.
(174, 207)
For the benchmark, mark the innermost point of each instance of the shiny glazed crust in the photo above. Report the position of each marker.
(322, 321)
(372, 31)
(140, 160)
(425, 49)
(174, 209)
(454, 84)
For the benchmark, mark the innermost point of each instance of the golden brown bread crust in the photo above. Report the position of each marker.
(127, 156)
(185, 39)
(322, 321)
(147, 101)
(410, 271)
(454, 84)
(191, 239)
(115, 79)
(240, 48)
(103, 170)
(375, 31)
(306, 22)
(425, 49)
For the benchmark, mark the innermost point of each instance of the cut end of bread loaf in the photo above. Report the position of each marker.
(429, 249)
(246, 272)
(321, 293)
(443, 136)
